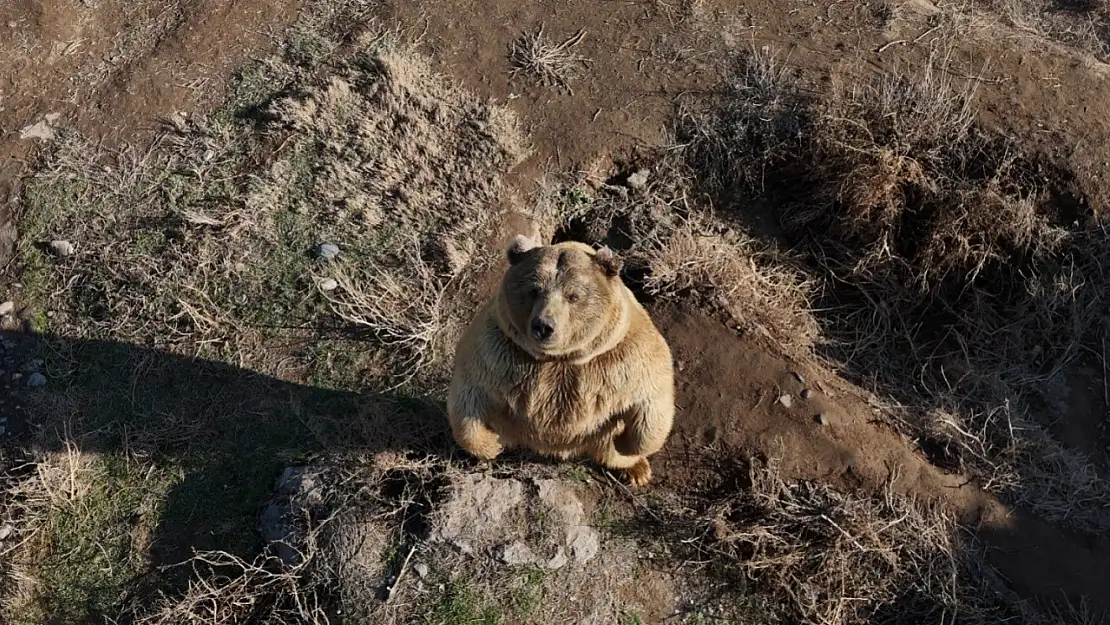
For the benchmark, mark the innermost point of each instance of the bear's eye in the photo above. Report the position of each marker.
(573, 298)
(534, 292)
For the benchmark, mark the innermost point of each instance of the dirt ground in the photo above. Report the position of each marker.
(122, 73)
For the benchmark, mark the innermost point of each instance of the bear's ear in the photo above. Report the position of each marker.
(519, 246)
(610, 263)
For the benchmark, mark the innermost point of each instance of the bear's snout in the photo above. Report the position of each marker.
(542, 328)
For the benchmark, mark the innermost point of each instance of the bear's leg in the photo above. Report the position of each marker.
(477, 438)
(646, 427)
(635, 468)
(469, 413)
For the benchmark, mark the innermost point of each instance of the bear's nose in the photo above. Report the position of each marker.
(542, 329)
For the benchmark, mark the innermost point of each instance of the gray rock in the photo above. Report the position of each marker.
(806, 393)
(328, 284)
(36, 380)
(786, 401)
(516, 553)
(327, 251)
(558, 561)
(296, 489)
(478, 510)
(421, 569)
(639, 179)
(584, 543)
(6, 531)
(581, 540)
(62, 248)
(821, 419)
(43, 130)
(6, 308)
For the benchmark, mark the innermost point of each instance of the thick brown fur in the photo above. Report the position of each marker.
(601, 385)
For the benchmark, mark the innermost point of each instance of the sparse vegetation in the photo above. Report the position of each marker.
(553, 64)
(812, 554)
(953, 280)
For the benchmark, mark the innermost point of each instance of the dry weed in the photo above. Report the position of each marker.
(818, 556)
(1084, 24)
(225, 590)
(553, 64)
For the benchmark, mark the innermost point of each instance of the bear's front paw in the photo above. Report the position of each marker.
(639, 474)
(486, 449)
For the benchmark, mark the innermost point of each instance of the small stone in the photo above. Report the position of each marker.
(179, 121)
(327, 251)
(328, 284)
(6, 308)
(6, 531)
(43, 130)
(806, 393)
(36, 380)
(558, 561)
(799, 377)
(786, 401)
(62, 248)
(639, 179)
(820, 419)
(421, 569)
(516, 554)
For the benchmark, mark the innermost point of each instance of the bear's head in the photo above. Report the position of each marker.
(561, 299)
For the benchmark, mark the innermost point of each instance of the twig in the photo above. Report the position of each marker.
(896, 42)
(400, 574)
(1105, 381)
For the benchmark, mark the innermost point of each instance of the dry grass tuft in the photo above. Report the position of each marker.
(225, 589)
(815, 555)
(953, 275)
(672, 248)
(553, 64)
(1084, 24)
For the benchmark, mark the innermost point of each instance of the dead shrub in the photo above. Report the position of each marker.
(816, 555)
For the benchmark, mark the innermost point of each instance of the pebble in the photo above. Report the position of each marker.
(6, 308)
(820, 419)
(799, 377)
(62, 248)
(421, 569)
(806, 393)
(639, 179)
(327, 251)
(786, 401)
(6, 531)
(328, 284)
(36, 380)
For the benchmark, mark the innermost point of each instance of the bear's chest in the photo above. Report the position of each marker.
(560, 401)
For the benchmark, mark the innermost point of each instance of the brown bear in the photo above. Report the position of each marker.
(564, 361)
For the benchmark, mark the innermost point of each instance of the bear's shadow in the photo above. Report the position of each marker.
(218, 435)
